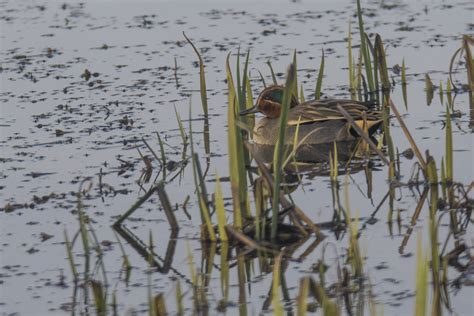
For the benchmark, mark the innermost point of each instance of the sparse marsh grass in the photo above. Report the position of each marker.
(257, 232)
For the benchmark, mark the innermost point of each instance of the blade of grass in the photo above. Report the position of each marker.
(199, 185)
(433, 228)
(421, 280)
(236, 154)
(467, 41)
(135, 206)
(182, 132)
(160, 305)
(319, 82)
(202, 78)
(449, 147)
(179, 299)
(70, 256)
(365, 52)
(176, 72)
(278, 152)
(382, 65)
(441, 92)
(302, 300)
(275, 82)
(302, 98)
(277, 307)
(126, 261)
(165, 203)
(404, 84)
(429, 88)
(263, 79)
(100, 301)
(221, 219)
(448, 93)
(294, 88)
(352, 81)
(163, 154)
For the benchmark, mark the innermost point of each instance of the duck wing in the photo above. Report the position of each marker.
(311, 112)
(333, 103)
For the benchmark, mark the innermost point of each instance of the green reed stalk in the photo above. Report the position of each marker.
(259, 208)
(160, 305)
(294, 88)
(200, 185)
(242, 280)
(404, 84)
(333, 164)
(179, 299)
(435, 261)
(83, 230)
(126, 261)
(224, 268)
(329, 307)
(166, 204)
(262, 78)
(445, 282)
(275, 82)
(249, 102)
(182, 132)
(382, 66)
(114, 304)
(441, 92)
(247, 92)
(163, 155)
(466, 42)
(319, 82)
(352, 81)
(422, 264)
(202, 77)
(70, 257)
(359, 75)
(176, 72)
(443, 179)
(365, 52)
(449, 157)
(429, 88)
(100, 300)
(151, 306)
(277, 307)
(375, 56)
(240, 92)
(302, 299)
(449, 147)
(220, 210)
(355, 256)
(236, 159)
(278, 152)
(448, 93)
(242, 101)
(302, 98)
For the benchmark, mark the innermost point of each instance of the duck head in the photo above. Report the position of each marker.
(270, 101)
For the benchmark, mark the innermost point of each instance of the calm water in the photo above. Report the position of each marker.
(130, 50)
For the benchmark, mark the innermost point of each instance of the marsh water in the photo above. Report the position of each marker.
(58, 129)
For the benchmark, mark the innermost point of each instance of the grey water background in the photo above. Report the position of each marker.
(131, 46)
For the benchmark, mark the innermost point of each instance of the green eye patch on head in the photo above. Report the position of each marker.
(276, 95)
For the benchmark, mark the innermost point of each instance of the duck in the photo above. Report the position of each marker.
(317, 121)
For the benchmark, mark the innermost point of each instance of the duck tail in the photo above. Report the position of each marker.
(372, 127)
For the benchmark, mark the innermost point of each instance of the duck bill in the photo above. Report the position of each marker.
(251, 110)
